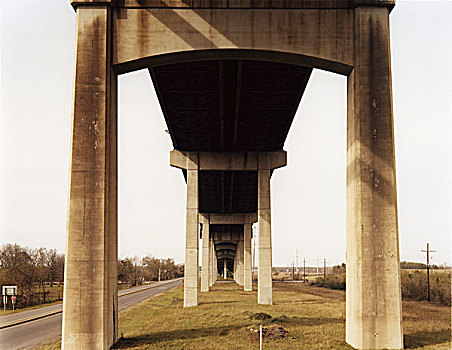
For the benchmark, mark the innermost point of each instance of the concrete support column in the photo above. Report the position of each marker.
(235, 268)
(225, 273)
(215, 264)
(374, 311)
(247, 282)
(191, 289)
(264, 273)
(90, 307)
(205, 255)
(240, 265)
(211, 262)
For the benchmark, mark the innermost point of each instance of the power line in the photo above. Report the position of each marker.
(324, 269)
(428, 251)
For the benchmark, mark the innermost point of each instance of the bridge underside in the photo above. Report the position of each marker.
(229, 106)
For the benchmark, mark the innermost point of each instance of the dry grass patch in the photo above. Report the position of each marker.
(224, 316)
(302, 317)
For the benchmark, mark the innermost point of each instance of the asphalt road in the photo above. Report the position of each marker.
(48, 329)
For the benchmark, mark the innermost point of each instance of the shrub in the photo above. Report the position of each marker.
(414, 284)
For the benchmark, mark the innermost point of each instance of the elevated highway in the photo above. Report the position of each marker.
(229, 76)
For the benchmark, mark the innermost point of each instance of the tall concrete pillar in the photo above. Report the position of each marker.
(240, 265)
(235, 268)
(90, 307)
(211, 262)
(191, 288)
(205, 256)
(374, 311)
(264, 272)
(247, 282)
(215, 264)
(225, 270)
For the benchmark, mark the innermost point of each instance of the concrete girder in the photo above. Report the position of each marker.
(228, 161)
(226, 246)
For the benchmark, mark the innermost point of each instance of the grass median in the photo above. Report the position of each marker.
(302, 317)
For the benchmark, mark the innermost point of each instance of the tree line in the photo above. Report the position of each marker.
(33, 271)
(39, 273)
(135, 271)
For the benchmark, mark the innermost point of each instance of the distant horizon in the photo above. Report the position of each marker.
(274, 266)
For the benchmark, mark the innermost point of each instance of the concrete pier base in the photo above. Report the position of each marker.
(215, 266)
(211, 262)
(374, 305)
(247, 278)
(240, 266)
(205, 254)
(225, 270)
(191, 271)
(264, 273)
(90, 307)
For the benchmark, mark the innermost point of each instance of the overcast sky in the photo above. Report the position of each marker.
(308, 196)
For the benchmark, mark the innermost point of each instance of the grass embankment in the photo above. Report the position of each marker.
(313, 317)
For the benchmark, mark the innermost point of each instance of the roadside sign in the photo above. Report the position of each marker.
(13, 299)
(9, 290)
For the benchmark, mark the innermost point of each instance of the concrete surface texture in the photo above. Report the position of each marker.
(91, 256)
(191, 271)
(247, 258)
(346, 37)
(205, 254)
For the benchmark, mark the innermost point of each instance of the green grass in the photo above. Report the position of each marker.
(314, 318)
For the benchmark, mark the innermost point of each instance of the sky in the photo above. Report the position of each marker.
(308, 196)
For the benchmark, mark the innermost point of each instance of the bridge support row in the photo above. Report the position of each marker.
(359, 49)
(262, 163)
(243, 258)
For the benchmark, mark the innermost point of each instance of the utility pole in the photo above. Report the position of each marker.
(324, 269)
(298, 273)
(304, 270)
(293, 271)
(317, 264)
(428, 251)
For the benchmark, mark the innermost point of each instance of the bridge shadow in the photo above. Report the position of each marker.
(219, 302)
(193, 333)
(422, 339)
(177, 334)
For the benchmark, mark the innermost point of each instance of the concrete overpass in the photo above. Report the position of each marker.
(229, 76)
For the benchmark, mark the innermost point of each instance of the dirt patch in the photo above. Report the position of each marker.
(261, 316)
(273, 331)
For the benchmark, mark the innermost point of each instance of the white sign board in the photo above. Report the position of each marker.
(9, 290)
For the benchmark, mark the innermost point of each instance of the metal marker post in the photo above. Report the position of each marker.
(5, 300)
(260, 338)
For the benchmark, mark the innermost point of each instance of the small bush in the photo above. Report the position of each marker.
(333, 280)
(414, 284)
